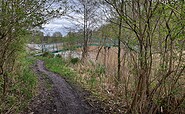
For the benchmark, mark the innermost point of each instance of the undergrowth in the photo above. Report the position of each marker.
(94, 77)
(21, 86)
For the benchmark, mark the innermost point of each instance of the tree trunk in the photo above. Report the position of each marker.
(119, 48)
(84, 51)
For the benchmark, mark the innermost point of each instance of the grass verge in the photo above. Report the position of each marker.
(58, 65)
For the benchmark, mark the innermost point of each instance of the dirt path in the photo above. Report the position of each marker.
(56, 96)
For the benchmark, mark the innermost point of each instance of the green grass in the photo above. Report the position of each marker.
(58, 65)
(21, 87)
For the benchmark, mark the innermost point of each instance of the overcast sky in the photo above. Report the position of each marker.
(63, 24)
(72, 22)
(57, 25)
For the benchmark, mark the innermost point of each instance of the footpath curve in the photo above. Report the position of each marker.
(56, 96)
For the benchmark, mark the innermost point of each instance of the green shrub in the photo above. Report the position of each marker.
(59, 56)
(74, 60)
(48, 54)
(45, 54)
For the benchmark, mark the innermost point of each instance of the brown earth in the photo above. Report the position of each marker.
(57, 96)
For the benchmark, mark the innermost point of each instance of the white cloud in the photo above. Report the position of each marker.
(72, 21)
(62, 25)
(56, 25)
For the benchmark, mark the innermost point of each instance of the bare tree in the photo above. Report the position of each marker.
(145, 18)
(86, 10)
